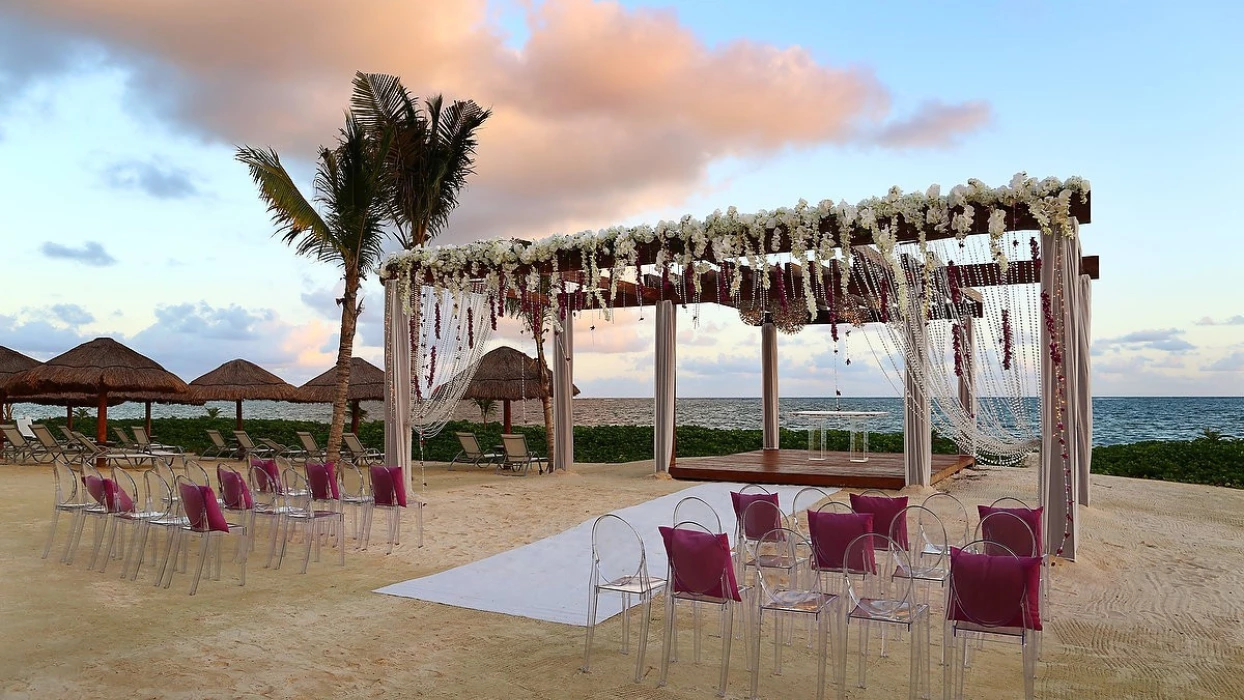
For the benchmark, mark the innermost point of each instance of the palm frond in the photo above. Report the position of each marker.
(380, 100)
(291, 212)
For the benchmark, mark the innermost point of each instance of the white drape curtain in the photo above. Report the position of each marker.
(917, 424)
(397, 387)
(1065, 399)
(1084, 392)
(769, 388)
(967, 381)
(664, 386)
(563, 393)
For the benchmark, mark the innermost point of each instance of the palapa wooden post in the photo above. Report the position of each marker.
(101, 428)
(354, 416)
(239, 413)
(147, 421)
(506, 415)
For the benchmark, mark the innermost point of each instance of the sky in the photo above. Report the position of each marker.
(124, 213)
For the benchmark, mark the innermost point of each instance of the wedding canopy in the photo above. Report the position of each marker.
(938, 273)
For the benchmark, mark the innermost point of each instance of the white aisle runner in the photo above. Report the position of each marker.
(548, 579)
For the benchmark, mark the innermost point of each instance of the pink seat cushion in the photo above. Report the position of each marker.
(202, 509)
(1010, 534)
(95, 487)
(700, 563)
(323, 480)
(832, 532)
(996, 591)
(271, 470)
(885, 510)
(760, 520)
(388, 486)
(116, 499)
(234, 491)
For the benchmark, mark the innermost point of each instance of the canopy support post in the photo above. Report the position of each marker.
(397, 386)
(664, 386)
(769, 382)
(563, 394)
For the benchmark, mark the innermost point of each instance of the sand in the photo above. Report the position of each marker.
(1153, 608)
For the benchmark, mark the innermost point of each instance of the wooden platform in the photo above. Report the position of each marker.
(883, 470)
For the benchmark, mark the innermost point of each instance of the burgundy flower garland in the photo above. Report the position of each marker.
(1056, 360)
(955, 330)
(1036, 253)
(1008, 352)
(471, 328)
(952, 280)
(781, 287)
(431, 366)
(438, 321)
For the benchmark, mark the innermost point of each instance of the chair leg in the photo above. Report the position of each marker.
(626, 623)
(863, 662)
(592, 595)
(725, 650)
(643, 636)
(243, 553)
(203, 555)
(51, 533)
(695, 632)
(668, 652)
(754, 653)
(75, 535)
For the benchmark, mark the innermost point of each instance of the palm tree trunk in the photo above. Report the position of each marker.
(349, 321)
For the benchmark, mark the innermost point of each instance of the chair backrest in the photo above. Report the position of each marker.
(877, 591)
(806, 500)
(754, 488)
(388, 486)
(69, 434)
(515, 447)
(200, 507)
(23, 427)
(217, 439)
(265, 476)
(159, 492)
(122, 438)
(996, 589)
(884, 509)
(88, 448)
(1009, 502)
(352, 481)
(928, 546)
(700, 564)
(790, 546)
(106, 492)
(67, 478)
(308, 443)
(13, 435)
(45, 436)
(196, 473)
(244, 440)
(127, 488)
(1009, 530)
(953, 514)
(322, 478)
(758, 518)
(234, 493)
(831, 532)
(140, 436)
(617, 550)
(693, 509)
(470, 445)
(352, 441)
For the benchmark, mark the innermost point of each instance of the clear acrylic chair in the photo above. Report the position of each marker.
(355, 495)
(160, 498)
(954, 516)
(96, 510)
(389, 494)
(807, 499)
(757, 519)
(992, 596)
(788, 593)
(69, 498)
(128, 506)
(311, 507)
(205, 520)
(620, 565)
(928, 550)
(270, 502)
(1016, 538)
(701, 570)
(884, 509)
(875, 597)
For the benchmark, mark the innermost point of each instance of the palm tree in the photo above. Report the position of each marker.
(432, 155)
(486, 407)
(352, 188)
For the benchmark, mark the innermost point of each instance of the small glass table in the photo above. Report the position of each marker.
(857, 425)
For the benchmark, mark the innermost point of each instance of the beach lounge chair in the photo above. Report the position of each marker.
(309, 446)
(70, 440)
(292, 454)
(249, 448)
(518, 457)
(122, 438)
(360, 455)
(473, 453)
(50, 444)
(23, 427)
(146, 445)
(219, 447)
(16, 448)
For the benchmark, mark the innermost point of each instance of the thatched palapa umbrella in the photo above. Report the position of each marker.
(102, 368)
(238, 381)
(11, 362)
(507, 375)
(366, 384)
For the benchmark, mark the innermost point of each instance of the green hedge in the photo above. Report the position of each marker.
(600, 444)
(1203, 461)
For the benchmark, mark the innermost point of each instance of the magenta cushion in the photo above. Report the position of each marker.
(387, 485)
(116, 499)
(991, 590)
(832, 532)
(215, 518)
(192, 504)
(95, 487)
(269, 467)
(323, 481)
(759, 521)
(884, 510)
(700, 563)
(234, 491)
(1008, 533)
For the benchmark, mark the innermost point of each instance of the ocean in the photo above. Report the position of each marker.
(1116, 420)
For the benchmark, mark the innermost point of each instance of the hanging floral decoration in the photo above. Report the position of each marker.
(1008, 352)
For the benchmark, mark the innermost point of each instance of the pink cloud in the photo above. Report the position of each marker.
(605, 111)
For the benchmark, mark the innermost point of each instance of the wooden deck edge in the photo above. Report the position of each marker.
(964, 462)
